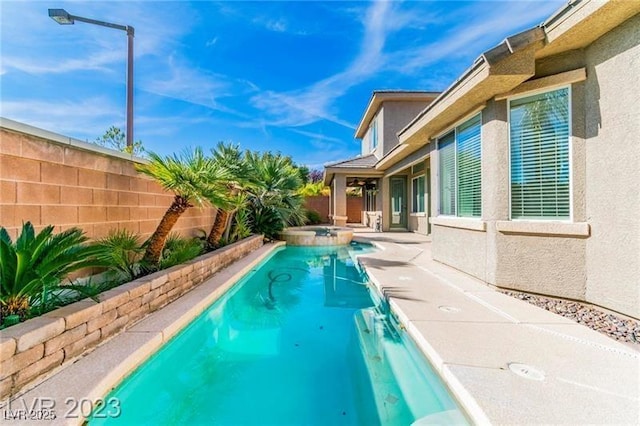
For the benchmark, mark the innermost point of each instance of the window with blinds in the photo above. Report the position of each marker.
(468, 168)
(539, 144)
(460, 154)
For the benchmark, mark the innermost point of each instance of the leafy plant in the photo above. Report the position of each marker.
(313, 217)
(178, 250)
(194, 179)
(32, 268)
(242, 225)
(316, 175)
(267, 221)
(115, 138)
(122, 254)
(274, 199)
(314, 189)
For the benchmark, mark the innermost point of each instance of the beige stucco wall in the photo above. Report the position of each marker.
(541, 263)
(392, 117)
(603, 266)
(397, 114)
(48, 182)
(462, 249)
(533, 262)
(613, 169)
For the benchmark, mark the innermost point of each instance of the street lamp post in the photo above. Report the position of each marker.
(62, 17)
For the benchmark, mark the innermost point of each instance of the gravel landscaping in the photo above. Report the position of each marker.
(614, 326)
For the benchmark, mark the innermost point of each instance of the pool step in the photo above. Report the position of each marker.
(405, 390)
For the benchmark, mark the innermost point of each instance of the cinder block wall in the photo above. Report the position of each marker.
(51, 180)
(320, 204)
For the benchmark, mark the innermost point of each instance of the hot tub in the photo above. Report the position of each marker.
(317, 236)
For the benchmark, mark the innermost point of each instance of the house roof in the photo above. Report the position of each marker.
(380, 96)
(360, 166)
(506, 66)
(359, 162)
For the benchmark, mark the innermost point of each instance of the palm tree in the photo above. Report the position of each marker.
(230, 158)
(194, 179)
(274, 193)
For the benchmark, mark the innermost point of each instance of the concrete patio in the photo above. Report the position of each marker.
(472, 334)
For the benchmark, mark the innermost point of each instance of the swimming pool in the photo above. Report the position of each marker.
(299, 340)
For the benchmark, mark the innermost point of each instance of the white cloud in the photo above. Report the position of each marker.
(480, 30)
(211, 42)
(317, 136)
(476, 32)
(279, 26)
(82, 118)
(199, 87)
(315, 102)
(37, 45)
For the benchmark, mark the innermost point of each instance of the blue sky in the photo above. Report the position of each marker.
(293, 77)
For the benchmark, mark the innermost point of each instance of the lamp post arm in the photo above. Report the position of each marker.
(127, 28)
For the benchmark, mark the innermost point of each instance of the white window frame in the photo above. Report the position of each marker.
(570, 153)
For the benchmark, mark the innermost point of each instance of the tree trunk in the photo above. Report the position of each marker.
(159, 237)
(217, 230)
(229, 225)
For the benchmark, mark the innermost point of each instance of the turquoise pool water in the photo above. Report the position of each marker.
(298, 341)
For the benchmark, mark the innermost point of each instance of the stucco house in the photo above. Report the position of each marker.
(388, 112)
(531, 161)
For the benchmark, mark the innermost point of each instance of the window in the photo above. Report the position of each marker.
(417, 197)
(539, 144)
(460, 170)
(373, 131)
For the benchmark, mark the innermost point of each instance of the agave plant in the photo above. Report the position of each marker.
(33, 267)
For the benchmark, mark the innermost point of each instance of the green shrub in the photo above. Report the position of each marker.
(122, 254)
(32, 268)
(178, 250)
(314, 189)
(267, 221)
(313, 217)
(241, 225)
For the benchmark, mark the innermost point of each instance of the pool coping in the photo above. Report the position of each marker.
(91, 377)
(473, 347)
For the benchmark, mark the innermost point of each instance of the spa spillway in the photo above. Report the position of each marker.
(317, 236)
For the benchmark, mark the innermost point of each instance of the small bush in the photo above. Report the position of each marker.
(267, 221)
(122, 253)
(178, 250)
(313, 217)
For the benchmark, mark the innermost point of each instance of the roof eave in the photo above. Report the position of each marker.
(378, 97)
